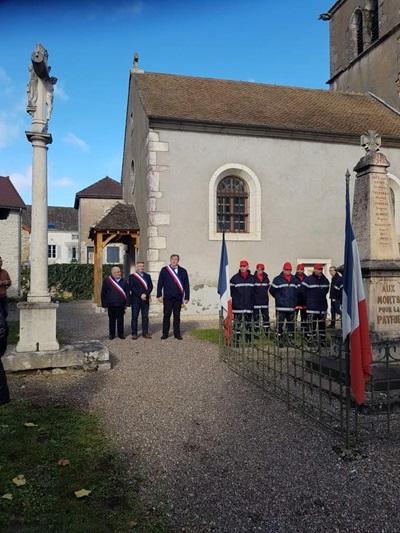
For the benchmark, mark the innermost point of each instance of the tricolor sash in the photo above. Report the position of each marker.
(175, 277)
(117, 286)
(141, 279)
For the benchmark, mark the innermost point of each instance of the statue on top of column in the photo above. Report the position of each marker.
(40, 73)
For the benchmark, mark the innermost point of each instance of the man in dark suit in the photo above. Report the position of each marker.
(173, 291)
(140, 285)
(115, 297)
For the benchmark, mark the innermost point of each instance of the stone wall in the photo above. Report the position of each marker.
(10, 250)
(301, 195)
(91, 210)
(377, 68)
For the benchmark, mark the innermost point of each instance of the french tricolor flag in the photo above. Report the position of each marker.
(354, 312)
(224, 291)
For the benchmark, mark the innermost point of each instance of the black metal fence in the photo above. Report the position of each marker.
(312, 374)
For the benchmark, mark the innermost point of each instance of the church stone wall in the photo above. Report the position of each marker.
(377, 68)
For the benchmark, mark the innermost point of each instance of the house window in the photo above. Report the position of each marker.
(234, 199)
(75, 236)
(359, 31)
(90, 254)
(52, 251)
(374, 21)
(232, 205)
(112, 254)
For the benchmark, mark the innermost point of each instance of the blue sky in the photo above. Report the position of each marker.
(91, 46)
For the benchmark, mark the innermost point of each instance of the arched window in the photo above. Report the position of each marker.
(232, 205)
(374, 21)
(359, 31)
(234, 194)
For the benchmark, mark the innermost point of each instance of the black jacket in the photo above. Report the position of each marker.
(335, 292)
(111, 296)
(167, 286)
(137, 288)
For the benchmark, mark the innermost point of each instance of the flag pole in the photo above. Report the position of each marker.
(347, 361)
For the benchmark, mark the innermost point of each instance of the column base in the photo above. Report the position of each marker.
(37, 327)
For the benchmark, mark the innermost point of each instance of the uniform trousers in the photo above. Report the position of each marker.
(335, 310)
(287, 316)
(317, 321)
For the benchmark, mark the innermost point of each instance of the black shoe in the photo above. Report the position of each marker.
(179, 337)
(164, 336)
(111, 337)
(3, 402)
(122, 336)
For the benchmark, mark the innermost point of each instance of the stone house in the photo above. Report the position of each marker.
(365, 53)
(92, 204)
(62, 243)
(264, 162)
(11, 209)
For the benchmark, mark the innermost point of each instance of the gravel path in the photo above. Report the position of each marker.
(221, 455)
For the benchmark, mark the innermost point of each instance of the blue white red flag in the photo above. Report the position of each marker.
(354, 312)
(224, 291)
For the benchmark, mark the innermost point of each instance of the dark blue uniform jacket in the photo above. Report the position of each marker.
(284, 292)
(242, 292)
(316, 291)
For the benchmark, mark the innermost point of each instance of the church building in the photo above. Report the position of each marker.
(264, 163)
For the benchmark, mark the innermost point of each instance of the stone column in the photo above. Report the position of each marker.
(39, 291)
(374, 228)
(38, 314)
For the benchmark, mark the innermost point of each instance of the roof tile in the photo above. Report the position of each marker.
(241, 103)
(9, 197)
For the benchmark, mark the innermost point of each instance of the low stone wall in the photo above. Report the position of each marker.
(89, 355)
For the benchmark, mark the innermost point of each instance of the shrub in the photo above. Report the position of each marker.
(68, 280)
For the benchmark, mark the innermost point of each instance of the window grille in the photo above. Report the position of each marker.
(51, 251)
(232, 205)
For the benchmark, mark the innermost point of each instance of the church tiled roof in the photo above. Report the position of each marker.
(104, 188)
(184, 99)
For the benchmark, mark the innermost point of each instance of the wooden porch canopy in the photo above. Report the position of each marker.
(119, 225)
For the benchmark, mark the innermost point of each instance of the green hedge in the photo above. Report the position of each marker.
(68, 281)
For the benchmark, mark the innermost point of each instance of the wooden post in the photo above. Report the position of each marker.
(98, 267)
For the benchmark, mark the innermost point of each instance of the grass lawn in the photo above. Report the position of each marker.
(211, 335)
(33, 440)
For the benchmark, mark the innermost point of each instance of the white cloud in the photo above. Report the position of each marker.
(60, 93)
(8, 131)
(63, 182)
(71, 138)
(22, 182)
